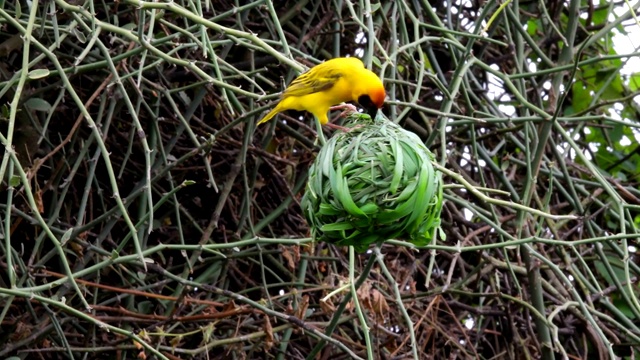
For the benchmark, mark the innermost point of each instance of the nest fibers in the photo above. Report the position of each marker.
(373, 184)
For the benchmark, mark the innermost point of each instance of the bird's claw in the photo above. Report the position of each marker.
(343, 128)
(338, 127)
(347, 108)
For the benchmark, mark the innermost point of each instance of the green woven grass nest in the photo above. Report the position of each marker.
(373, 184)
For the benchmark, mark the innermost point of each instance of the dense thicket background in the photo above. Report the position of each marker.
(128, 131)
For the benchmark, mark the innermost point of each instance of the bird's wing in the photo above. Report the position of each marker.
(319, 78)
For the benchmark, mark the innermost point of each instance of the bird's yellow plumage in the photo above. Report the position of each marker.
(331, 83)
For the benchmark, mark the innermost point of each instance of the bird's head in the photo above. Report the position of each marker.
(371, 93)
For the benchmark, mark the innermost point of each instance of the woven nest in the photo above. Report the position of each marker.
(371, 184)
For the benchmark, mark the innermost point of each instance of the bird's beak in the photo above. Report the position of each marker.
(372, 111)
(369, 107)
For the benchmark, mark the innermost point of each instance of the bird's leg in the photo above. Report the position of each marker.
(319, 132)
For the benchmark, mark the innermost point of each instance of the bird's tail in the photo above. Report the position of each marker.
(270, 115)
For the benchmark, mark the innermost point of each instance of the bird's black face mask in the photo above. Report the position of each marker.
(369, 107)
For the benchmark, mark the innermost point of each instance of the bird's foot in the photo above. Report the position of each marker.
(347, 109)
(338, 127)
(343, 128)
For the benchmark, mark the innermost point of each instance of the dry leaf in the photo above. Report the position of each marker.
(38, 200)
(209, 310)
(327, 306)
(207, 333)
(13, 43)
(229, 306)
(268, 330)
(303, 305)
(364, 294)
(176, 341)
(379, 303)
(286, 254)
(22, 331)
(412, 287)
(322, 266)
(296, 252)
(77, 248)
(137, 345)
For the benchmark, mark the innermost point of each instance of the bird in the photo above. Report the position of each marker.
(331, 83)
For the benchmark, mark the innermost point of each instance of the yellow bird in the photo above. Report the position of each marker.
(331, 83)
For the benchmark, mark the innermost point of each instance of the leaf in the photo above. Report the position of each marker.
(532, 26)
(129, 26)
(616, 133)
(79, 35)
(634, 82)
(376, 61)
(341, 191)
(600, 16)
(614, 90)
(38, 74)
(337, 226)
(13, 43)
(38, 104)
(581, 98)
(617, 267)
(14, 181)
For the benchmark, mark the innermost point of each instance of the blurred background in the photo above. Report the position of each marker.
(145, 215)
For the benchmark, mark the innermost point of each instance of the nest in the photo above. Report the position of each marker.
(371, 184)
